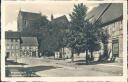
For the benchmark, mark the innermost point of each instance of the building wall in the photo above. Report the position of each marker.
(28, 21)
(29, 51)
(20, 22)
(13, 47)
(115, 31)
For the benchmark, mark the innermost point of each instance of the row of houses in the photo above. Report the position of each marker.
(18, 46)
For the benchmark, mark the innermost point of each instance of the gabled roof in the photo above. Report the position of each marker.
(62, 19)
(60, 22)
(29, 41)
(112, 13)
(29, 15)
(11, 34)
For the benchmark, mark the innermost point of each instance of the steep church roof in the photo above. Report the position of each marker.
(30, 15)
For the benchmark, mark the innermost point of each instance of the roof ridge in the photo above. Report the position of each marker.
(60, 17)
(28, 12)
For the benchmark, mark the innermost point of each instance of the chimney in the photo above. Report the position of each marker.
(52, 17)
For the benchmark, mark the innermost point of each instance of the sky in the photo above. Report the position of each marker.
(12, 9)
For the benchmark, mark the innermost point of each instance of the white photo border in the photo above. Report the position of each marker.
(66, 79)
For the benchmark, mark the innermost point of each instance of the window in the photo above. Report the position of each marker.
(121, 26)
(115, 47)
(25, 23)
(16, 40)
(16, 46)
(121, 22)
(11, 40)
(12, 47)
(23, 47)
(112, 26)
(16, 54)
(8, 40)
(27, 47)
(12, 54)
(34, 47)
(108, 30)
(7, 46)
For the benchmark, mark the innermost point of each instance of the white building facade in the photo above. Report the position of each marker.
(29, 47)
(12, 43)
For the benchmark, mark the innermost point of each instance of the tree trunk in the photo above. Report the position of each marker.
(72, 56)
(87, 57)
(92, 57)
(99, 60)
(78, 54)
(63, 53)
(106, 52)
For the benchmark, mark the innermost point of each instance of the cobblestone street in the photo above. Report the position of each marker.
(63, 68)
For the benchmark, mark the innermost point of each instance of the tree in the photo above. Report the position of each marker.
(72, 42)
(93, 45)
(78, 17)
(94, 37)
(104, 39)
(83, 35)
(92, 42)
(103, 35)
(59, 29)
(100, 35)
(75, 37)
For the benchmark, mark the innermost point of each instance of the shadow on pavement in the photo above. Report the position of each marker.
(28, 71)
(83, 62)
(11, 62)
(39, 68)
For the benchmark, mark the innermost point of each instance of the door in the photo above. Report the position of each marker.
(7, 55)
(115, 47)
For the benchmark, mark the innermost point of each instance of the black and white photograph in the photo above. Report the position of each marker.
(77, 39)
(63, 81)
(63, 0)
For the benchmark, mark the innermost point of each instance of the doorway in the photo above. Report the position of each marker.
(115, 47)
